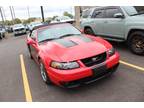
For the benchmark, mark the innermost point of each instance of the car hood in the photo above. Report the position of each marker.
(137, 18)
(18, 28)
(73, 48)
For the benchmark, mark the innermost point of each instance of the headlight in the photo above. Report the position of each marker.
(64, 65)
(111, 52)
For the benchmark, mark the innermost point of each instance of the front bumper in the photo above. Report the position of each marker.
(19, 32)
(84, 75)
(98, 73)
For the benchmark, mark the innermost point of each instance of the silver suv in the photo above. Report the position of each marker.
(117, 23)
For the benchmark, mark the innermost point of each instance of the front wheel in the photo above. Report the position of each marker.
(44, 74)
(136, 42)
(88, 31)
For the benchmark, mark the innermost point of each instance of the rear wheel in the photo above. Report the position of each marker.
(44, 73)
(88, 31)
(136, 42)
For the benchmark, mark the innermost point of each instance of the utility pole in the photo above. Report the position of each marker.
(2, 16)
(3, 11)
(11, 14)
(42, 13)
(28, 12)
(77, 16)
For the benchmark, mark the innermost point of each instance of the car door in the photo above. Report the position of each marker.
(97, 21)
(34, 46)
(114, 27)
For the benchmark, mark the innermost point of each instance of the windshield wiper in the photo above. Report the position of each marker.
(47, 40)
(66, 35)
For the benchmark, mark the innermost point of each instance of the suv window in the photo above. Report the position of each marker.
(111, 11)
(86, 13)
(134, 10)
(98, 14)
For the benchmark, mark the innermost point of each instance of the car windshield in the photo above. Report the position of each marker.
(134, 10)
(36, 24)
(56, 32)
(18, 25)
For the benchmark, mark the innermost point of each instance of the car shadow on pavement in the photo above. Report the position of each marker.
(120, 45)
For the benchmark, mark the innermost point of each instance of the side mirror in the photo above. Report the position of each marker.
(31, 41)
(118, 15)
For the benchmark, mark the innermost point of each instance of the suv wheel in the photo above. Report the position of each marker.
(44, 74)
(88, 31)
(136, 42)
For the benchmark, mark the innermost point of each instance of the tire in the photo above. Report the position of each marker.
(3, 35)
(44, 73)
(0, 37)
(136, 42)
(15, 35)
(29, 51)
(88, 30)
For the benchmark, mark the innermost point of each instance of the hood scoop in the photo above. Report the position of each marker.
(66, 43)
(72, 42)
(84, 39)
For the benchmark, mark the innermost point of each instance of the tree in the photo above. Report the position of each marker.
(29, 20)
(32, 19)
(25, 22)
(17, 21)
(68, 14)
(8, 22)
(54, 17)
(48, 20)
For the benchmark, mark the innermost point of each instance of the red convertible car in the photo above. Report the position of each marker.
(69, 58)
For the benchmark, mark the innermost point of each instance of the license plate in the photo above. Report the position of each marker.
(98, 70)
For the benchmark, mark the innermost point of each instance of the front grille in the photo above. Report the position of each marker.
(94, 60)
(19, 29)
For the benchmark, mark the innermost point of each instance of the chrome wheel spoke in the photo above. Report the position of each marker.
(43, 74)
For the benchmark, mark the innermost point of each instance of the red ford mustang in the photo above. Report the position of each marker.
(68, 58)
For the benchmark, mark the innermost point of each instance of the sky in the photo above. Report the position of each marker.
(49, 11)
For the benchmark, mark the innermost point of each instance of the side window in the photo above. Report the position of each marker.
(85, 13)
(33, 35)
(98, 14)
(110, 12)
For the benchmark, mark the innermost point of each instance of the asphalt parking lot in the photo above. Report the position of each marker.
(127, 84)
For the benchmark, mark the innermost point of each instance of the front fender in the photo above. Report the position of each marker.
(131, 27)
